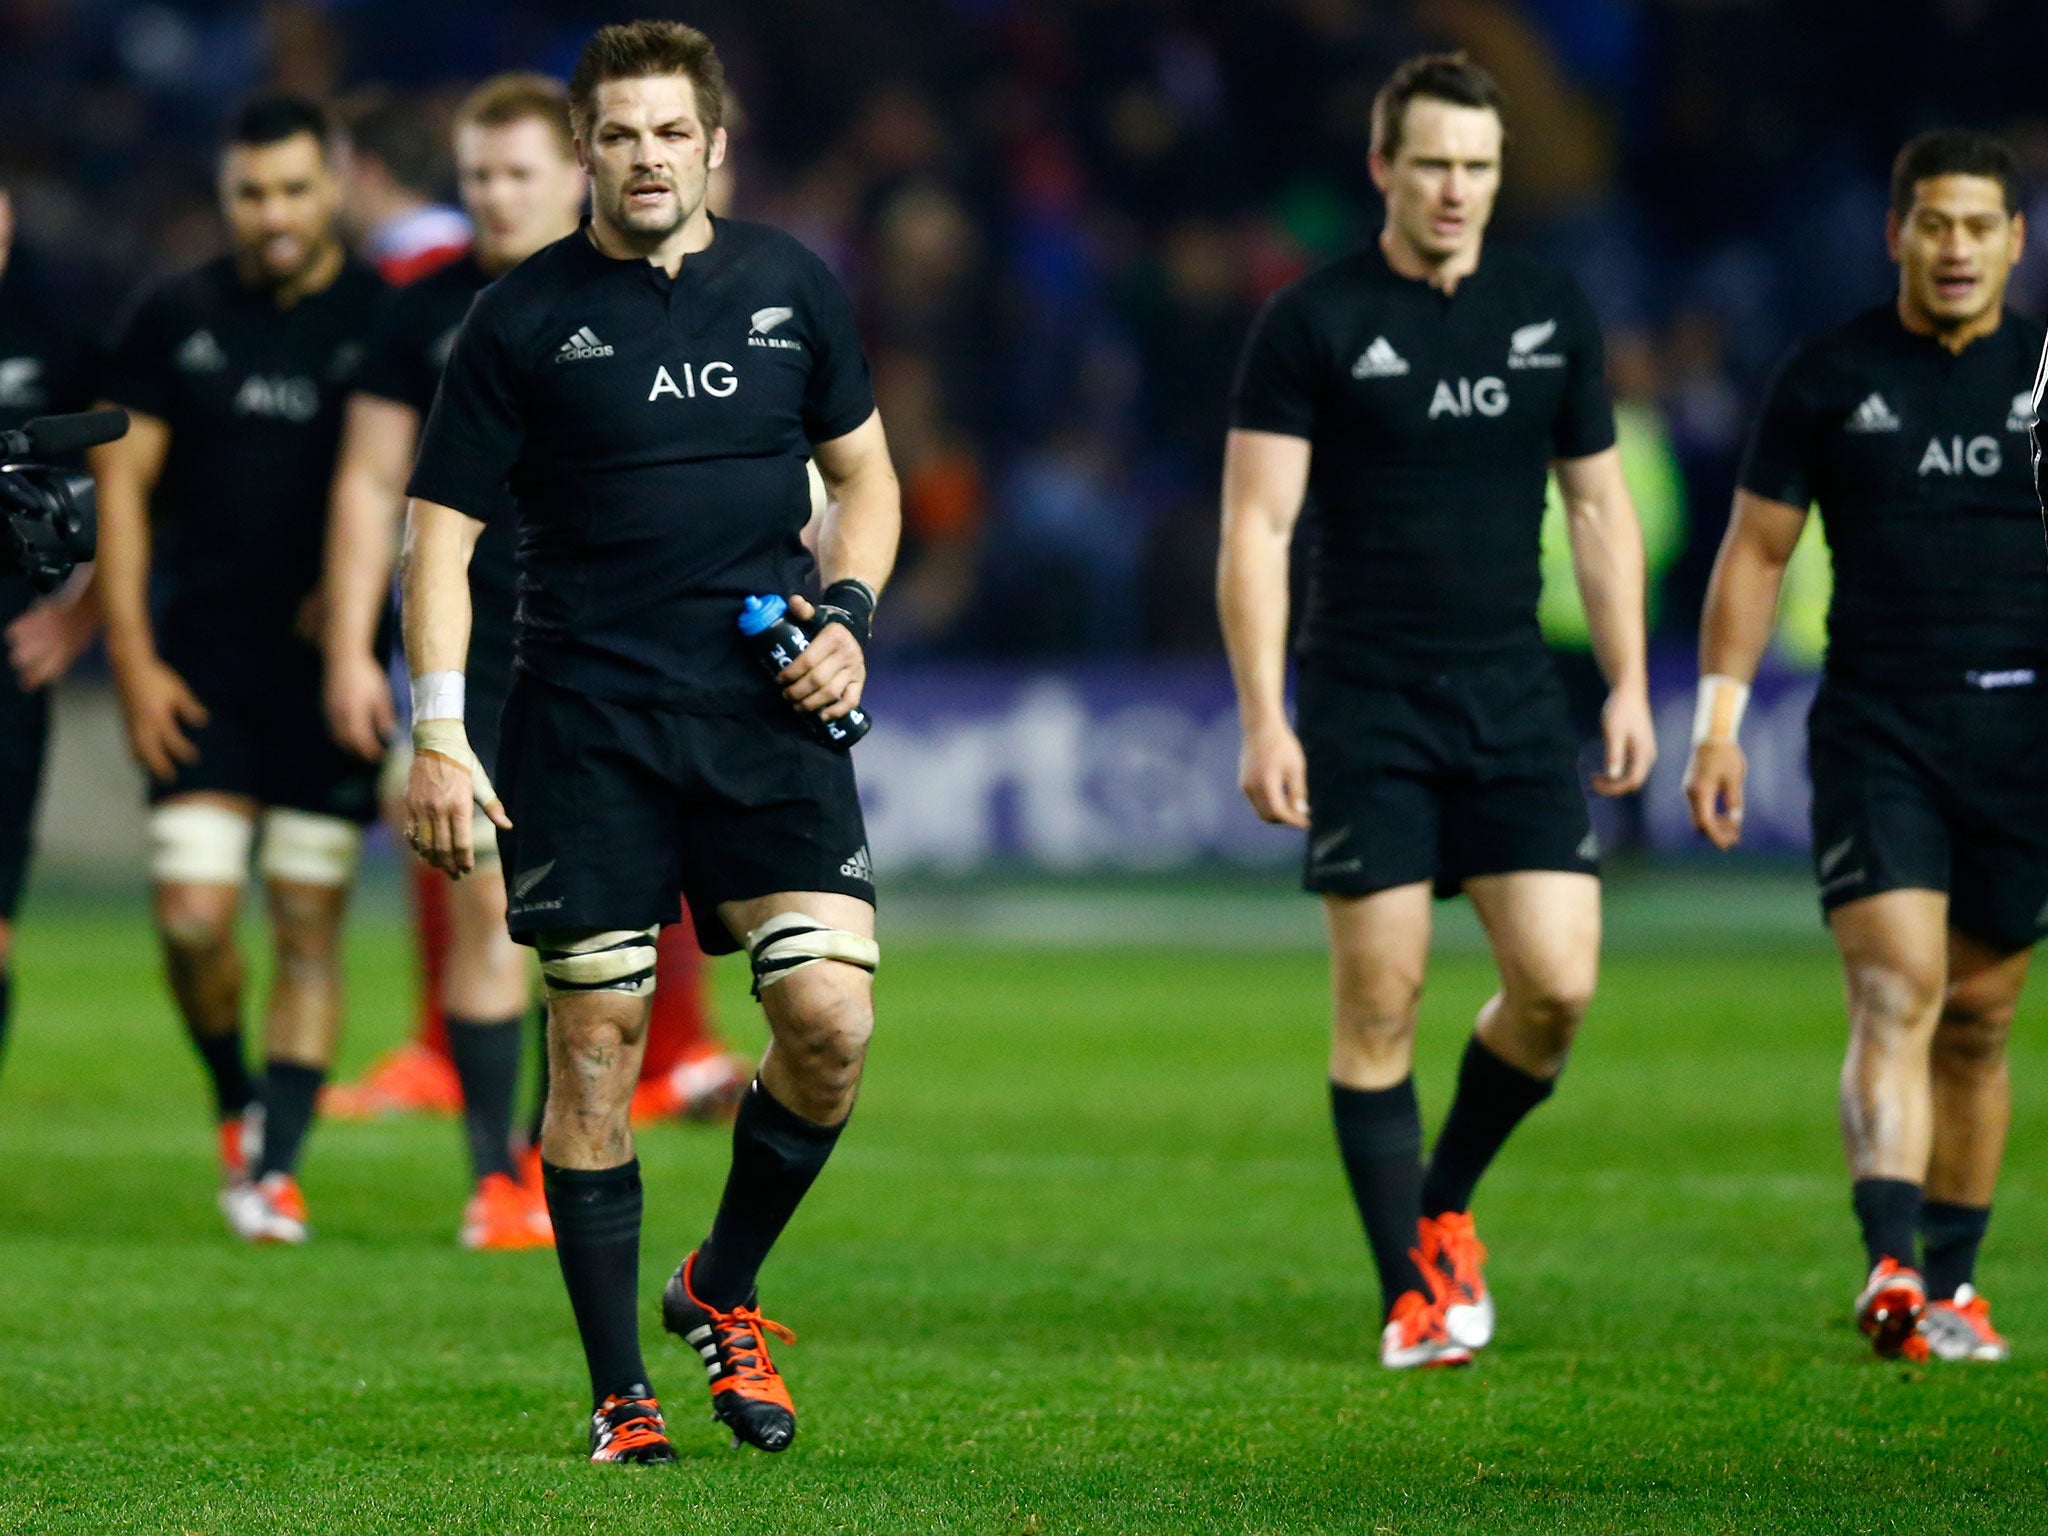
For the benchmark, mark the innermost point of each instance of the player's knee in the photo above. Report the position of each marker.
(824, 1041)
(194, 925)
(1554, 1008)
(1888, 996)
(1972, 1033)
(306, 930)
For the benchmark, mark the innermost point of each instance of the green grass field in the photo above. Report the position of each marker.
(1083, 1263)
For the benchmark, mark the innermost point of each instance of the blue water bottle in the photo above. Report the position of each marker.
(777, 640)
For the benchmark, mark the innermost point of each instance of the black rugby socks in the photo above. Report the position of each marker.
(1379, 1136)
(1492, 1099)
(776, 1157)
(486, 1054)
(596, 1213)
(1889, 1212)
(290, 1090)
(227, 1072)
(1951, 1235)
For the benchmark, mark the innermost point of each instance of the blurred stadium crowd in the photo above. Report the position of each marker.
(1059, 216)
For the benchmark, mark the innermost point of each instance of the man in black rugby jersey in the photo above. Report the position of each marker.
(1928, 740)
(45, 368)
(1419, 391)
(648, 389)
(522, 189)
(233, 376)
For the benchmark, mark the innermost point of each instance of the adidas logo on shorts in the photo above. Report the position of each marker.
(583, 344)
(1873, 415)
(858, 867)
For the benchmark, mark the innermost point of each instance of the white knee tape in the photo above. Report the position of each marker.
(615, 960)
(309, 849)
(789, 941)
(199, 844)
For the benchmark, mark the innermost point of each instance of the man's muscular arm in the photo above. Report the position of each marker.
(446, 783)
(364, 510)
(156, 705)
(857, 539)
(1607, 558)
(1265, 478)
(1735, 630)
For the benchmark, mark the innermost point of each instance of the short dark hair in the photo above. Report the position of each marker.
(267, 120)
(1954, 152)
(399, 138)
(1450, 77)
(636, 49)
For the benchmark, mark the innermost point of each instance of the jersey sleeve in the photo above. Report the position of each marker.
(839, 395)
(137, 369)
(476, 428)
(395, 366)
(1585, 415)
(1277, 388)
(1778, 462)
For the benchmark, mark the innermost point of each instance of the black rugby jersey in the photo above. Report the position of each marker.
(404, 363)
(45, 368)
(653, 433)
(253, 396)
(1919, 461)
(1432, 420)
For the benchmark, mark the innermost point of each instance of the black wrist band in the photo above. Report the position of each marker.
(850, 602)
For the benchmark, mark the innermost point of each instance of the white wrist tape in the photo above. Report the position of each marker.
(437, 696)
(1717, 710)
(447, 738)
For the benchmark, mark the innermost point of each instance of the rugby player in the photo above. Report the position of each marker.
(1419, 391)
(522, 190)
(45, 367)
(650, 388)
(234, 376)
(1928, 739)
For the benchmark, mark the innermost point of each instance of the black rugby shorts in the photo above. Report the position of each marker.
(1935, 791)
(24, 738)
(617, 807)
(1472, 772)
(266, 734)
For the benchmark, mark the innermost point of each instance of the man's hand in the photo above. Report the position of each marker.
(442, 794)
(1713, 788)
(360, 711)
(43, 642)
(157, 708)
(828, 678)
(1272, 770)
(1629, 739)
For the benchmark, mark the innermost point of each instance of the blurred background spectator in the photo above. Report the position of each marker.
(1058, 217)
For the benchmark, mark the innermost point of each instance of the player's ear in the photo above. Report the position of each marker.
(1894, 226)
(717, 156)
(2016, 237)
(1376, 165)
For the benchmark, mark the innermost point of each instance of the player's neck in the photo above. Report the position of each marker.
(694, 234)
(1441, 273)
(317, 276)
(1951, 338)
(497, 263)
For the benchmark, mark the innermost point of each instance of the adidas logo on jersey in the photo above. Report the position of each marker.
(2021, 416)
(583, 344)
(1873, 415)
(859, 867)
(1379, 361)
(200, 353)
